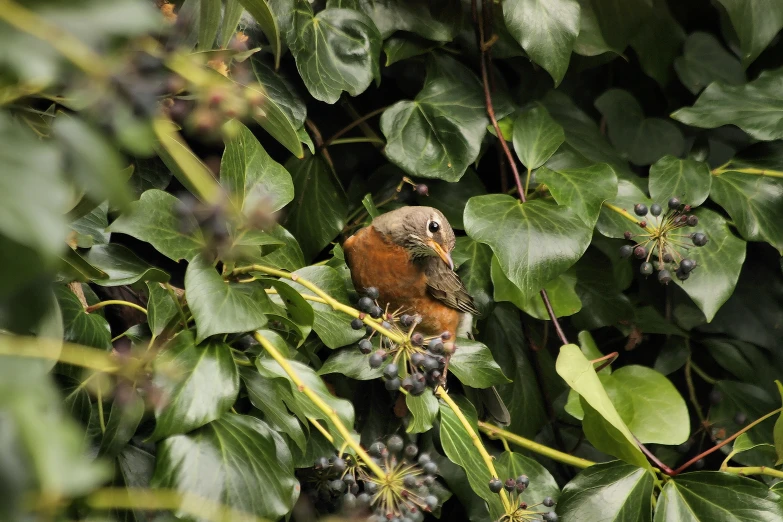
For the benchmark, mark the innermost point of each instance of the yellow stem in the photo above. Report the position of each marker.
(321, 405)
(320, 428)
(627, 215)
(749, 170)
(75, 354)
(100, 409)
(118, 302)
(315, 299)
(755, 470)
(565, 458)
(440, 392)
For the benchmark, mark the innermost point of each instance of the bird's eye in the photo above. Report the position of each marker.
(434, 226)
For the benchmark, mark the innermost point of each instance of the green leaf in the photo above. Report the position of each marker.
(545, 30)
(201, 382)
(219, 307)
(231, 16)
(534, 242)
(332, 326)
(580, 375)
(754, 202)
(460, 450)
(161, 308)
(718, 264)
(584, 189)
(561, 293)
(438, 134)
(122, 266)
(643, 140)
(778, 430)
(319, 211)
(261, 11)
(708, 495)
(603, 302)
(451, 198)
(590, 41)
(657, 42)
(754, 107)
(208, 23)
(542, 484)
(536, 136)
(474, 366)
(352, 363)
(249, 456)
(289, 256)
(612, 223)
(127, 410)
(81, 327)
(154, 218)
(369, 206)
(686, 179)
(424, 410)
(610, 491)
(473, 261)
(254, 180)
(438, 20)
(756, 24)
(704, 60)
(619, 20)
(148, 173)
(282, 110)
(398, 48)
(336, 50)
(300, 313)
(91, 227)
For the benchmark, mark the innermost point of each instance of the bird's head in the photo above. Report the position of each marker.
(423, 231)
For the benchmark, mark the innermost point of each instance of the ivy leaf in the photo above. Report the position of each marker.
(536, 136)
(424, 410)
(584, 190)
(438, 20)
(756, 25)
(613, 490)
(262, 12)
(473, 262)
(620, 19)
(612, 222)
(154, 218)
(91, 227)
(200, 383)
(545, 30)
(300, 315)
(753, 107)
(718, 264)
(542, 484)
(282, 114)
(250, 458)
(704, 60)
(451, 198)
(603, 302)
(590, 41)
(161, 308)
(352, 363)
(126, 413)
(473, 365)
(399, 48)
(336, 50)
(580, 375)
(643, 140)
(657, 42)
(534, 242)
(710, 495)
(219, 307)
(319, 211)
(122, 266)
(79, 326)
(253, 179)
(561, 292)
(332, 326)
(438, 134)
(754, 202)
(687, 179)
(289, 256)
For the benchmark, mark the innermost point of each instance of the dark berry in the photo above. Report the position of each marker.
(429, 364)
(682, 276)
(368, 330)
(376, 312)
(693, 221)
(417, 339)
(364, 499)
(339, 464)
(386, 325)
(376, 360)
(418, 387)
(417, 358)
(395, 444)
(640, 252)
(686, 265)
(428, 481)
(431, 501)
(371, 487)
(643, 223)
(667, 257)
(445, 336)
(548, 501)
(549, 516)
(674, 203)
(409, 481)
(524, 480)
(407, 383)
(626, 251)
(365, 346)
(365, 303)
(391, 370)
(640, 209)
(393, 384)
(510, 485)
(424, 458)
(337, 485)
(740, 418)
(434, 376)
(655, 210)
(357, 324)
(521, 488)
(664, 277)
(422, 189)
(627, 234)
(406, 320)
(372, 293)
(436, 346)
(321, 463)
(377, 449)
(410, 451)
(699, 239)
(495, 485)
(646, 268)
(348, 478)
(349, 502)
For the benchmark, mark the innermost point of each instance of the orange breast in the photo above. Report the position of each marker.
(377, 262)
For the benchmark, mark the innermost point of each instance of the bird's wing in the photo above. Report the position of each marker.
(445, 285)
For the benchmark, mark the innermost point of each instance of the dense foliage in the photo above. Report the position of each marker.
(180, 335)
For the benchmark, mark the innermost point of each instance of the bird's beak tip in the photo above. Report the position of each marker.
(445, 256)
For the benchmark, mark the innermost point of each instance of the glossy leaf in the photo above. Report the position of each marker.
(208, 23)
(336, 50)
(352, 363)
(542, 484)
(536, 135)
(756, 24)
(614, 490)
(91, 227)
(545, 30)
(289, 256)
(423, 410)
(590, 41)
(161, 308)
(474, 366)
(706, 495)
(437, 20)
(399, 48)
(687, 179)
(260, 10)
(282, 112)
(603, 302)
(219, 307)
(560, 290)
(657, 42)
(643, 140)
(612, 222)
(584, 190)
(154, 219)
(753, 107)
(704, 60)
(123, 420)
(80, 327)
(122, 266)
(534, 242)
(619, 20)
(241, 455)
(473, 260)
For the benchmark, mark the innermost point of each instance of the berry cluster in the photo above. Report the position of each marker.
(414, 364)
(662, 240)
(515, 487)
(404, 494)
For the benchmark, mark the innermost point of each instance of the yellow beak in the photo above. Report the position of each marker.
(445, 256)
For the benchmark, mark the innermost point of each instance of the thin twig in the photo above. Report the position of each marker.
(351, 125)
(666, 469)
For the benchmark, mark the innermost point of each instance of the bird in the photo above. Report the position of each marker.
(406, 255)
